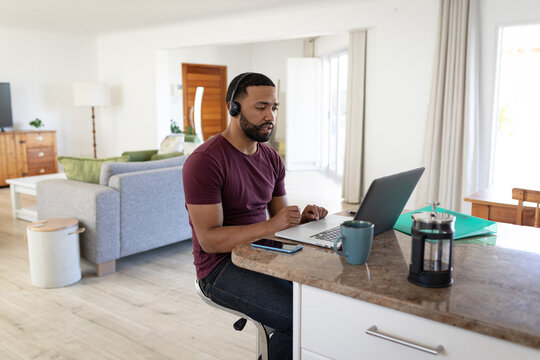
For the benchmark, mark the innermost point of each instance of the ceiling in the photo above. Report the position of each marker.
(103, 16)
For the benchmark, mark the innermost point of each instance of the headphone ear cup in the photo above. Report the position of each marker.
(234, 109)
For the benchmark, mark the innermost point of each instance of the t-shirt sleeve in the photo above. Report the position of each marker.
(279, 188)
(203, 179)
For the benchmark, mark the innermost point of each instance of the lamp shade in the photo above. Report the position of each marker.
(91, 94)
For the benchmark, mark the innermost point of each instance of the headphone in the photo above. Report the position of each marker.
(235, 108)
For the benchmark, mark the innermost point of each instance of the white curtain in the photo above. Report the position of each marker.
(451, 141)
(354, 143)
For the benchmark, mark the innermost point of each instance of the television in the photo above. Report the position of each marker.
(6, 119)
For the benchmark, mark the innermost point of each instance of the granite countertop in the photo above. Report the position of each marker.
(496, 288)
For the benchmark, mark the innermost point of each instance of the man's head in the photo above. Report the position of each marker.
(251, 98)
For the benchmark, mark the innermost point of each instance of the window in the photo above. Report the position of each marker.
(334, 100)
(518, 130)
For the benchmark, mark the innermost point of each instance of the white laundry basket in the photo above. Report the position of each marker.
(53, 249)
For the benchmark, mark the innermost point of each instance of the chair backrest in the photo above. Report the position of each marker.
(527, 195)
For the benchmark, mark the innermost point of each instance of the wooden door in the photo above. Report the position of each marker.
(214, 80)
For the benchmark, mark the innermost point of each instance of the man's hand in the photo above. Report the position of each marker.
(313, 212)
(286, 217)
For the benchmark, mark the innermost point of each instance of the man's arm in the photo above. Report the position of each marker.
(216, 238)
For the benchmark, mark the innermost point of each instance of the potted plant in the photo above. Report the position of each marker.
(176, 131)
(37, 123)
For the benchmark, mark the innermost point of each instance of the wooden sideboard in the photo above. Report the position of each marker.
(27, 153)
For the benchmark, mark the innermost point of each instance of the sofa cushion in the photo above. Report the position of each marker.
(141, 155)
(172, 143)
(111, 169)
(86, 169)
(166, 156)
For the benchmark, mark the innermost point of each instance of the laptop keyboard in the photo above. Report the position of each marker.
(328, 235)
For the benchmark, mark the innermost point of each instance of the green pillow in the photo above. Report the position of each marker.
(166, 156)
(141, 155)
(86, 169)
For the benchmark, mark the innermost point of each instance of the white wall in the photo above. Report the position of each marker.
(325, 45)
(41, 67)
(401, 43)
(399, 66)
(270, 58)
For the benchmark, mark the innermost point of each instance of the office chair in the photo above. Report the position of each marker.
(263, 332)
(527, 195)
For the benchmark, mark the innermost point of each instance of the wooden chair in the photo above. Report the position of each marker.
(527, 195)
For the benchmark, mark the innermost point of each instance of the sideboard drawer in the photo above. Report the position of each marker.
(39, 139)
(40, 155)
(41, 168)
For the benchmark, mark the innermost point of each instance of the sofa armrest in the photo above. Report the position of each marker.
(152, 209)
(96, 207)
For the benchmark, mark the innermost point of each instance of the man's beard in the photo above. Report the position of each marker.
(252, 132)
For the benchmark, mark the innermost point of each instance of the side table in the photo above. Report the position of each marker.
(27, 185)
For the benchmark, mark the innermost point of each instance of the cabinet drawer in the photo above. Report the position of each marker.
(39, 155)
(41, 168)
(39, 139)
(335, 326)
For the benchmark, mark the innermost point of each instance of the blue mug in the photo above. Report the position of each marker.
(356, 239)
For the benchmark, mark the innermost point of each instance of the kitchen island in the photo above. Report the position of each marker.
(491, 311)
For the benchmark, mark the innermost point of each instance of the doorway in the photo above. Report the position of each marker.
(518, 108)
(213, 78)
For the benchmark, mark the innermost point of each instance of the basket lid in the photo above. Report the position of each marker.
(52, 224)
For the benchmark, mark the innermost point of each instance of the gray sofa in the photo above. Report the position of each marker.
(137, 206)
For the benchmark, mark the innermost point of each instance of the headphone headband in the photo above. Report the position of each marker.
(234, 108)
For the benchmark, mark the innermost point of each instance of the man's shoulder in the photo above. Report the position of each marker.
(269, 151)
(210, 145)
(206, 153)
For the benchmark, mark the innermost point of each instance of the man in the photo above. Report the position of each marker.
(231, 182)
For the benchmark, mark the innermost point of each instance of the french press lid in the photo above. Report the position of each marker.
(433, 220)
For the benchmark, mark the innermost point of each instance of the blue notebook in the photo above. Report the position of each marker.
(465, 226)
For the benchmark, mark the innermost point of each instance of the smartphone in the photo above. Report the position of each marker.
(276, 245)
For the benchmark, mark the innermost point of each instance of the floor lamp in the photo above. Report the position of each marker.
(91, 94)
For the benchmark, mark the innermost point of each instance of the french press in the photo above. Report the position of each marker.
(432, 243)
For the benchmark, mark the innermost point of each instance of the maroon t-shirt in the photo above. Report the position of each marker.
(217, 172)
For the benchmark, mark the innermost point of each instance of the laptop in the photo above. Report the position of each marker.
(382, 205)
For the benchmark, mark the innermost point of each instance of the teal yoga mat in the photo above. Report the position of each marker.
(466, 225)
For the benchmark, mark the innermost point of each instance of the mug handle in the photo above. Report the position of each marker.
(342, 238)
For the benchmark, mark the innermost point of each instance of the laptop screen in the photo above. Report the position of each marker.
(386, 198)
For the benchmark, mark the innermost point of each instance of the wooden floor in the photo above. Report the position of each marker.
(148, 309)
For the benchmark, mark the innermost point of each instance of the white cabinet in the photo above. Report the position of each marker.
(308, 355)
(334, 326)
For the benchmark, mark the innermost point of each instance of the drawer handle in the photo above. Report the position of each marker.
(373, 331)
(41, 154)
(39, 138)
(41, 171)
